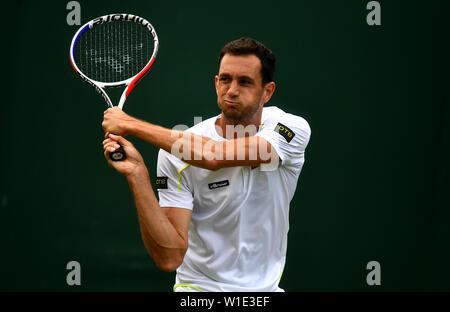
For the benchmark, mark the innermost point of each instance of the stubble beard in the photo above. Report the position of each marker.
(238, 117)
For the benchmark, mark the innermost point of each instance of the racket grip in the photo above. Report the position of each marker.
(118, 154)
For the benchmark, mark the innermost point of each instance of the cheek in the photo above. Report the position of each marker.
(254, 95)
(222, 90)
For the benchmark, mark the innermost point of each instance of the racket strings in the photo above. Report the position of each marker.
(114, 51)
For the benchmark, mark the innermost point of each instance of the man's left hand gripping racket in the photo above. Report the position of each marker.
(114, 50)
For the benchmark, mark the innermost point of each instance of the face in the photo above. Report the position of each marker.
(240, 93)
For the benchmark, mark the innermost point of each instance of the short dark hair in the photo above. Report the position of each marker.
(246, 46)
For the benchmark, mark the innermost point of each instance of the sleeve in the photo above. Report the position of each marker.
(171, 182)
(289, 135)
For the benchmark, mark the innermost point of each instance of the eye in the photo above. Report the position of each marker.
(224, 79)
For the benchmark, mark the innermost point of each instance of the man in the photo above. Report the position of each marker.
(224, 185)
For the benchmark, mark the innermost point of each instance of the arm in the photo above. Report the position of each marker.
(164, 230)
(193, 149)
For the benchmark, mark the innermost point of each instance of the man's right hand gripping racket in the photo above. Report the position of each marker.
(114, 50)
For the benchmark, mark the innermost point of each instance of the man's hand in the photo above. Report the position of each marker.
(133, 163)
(116, 121)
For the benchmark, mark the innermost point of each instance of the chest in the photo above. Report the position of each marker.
(228, 188)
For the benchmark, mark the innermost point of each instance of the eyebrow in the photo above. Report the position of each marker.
(240, 77)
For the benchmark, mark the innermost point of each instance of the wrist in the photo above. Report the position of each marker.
(130, 126)
(138, 175)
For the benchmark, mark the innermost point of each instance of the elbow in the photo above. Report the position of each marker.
(170, 261)
(166, 259)
(168, 266)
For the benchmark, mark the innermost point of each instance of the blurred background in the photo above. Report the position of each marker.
(374, 187)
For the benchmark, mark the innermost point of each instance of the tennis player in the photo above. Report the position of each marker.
(224, 185)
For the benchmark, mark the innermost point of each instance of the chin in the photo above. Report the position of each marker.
(232, 114)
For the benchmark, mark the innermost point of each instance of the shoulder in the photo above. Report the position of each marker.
(287, 133)
(169, 161)
(278, 119)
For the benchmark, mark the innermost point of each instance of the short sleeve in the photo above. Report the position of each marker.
(171, 182)
(289, 135)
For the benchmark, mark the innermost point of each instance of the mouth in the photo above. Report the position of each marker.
(231, 103)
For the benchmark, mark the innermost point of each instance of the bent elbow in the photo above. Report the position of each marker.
(168, 266)
(170, 261)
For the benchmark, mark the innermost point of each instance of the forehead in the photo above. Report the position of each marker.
(240, 65)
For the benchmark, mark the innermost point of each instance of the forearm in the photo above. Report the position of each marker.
(156, 135)
(201, 151)
(166, 246)
(187, 146)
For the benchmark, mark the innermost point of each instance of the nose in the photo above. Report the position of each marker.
(233, 90)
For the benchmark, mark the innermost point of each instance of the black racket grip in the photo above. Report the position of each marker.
(118, 154)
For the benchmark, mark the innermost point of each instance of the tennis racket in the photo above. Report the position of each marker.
(115, 50)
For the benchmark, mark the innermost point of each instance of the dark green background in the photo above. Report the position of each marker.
(375, 185)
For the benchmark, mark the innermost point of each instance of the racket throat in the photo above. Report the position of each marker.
(105, 96)
(123, 98)
(113, 96)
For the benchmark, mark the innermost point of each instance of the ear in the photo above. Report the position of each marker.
(268, 91)
(216, 80)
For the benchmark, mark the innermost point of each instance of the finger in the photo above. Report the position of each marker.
(106, 134)
(105, 141)
(108, 141)
(114, 145)
(107, 147)
(106, 153)
(119, 139)
(108, 150)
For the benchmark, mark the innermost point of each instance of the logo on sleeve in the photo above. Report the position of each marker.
(161, 182)
(215, 185)
(285, 132)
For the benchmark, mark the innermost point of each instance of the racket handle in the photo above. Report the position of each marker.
(118, 154)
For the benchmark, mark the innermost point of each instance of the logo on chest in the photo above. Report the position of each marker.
(215, 185)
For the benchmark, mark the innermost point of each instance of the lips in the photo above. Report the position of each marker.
(231, 103)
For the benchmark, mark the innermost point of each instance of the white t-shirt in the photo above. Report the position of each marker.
(240, 216)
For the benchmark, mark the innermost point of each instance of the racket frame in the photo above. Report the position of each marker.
(131, 82)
